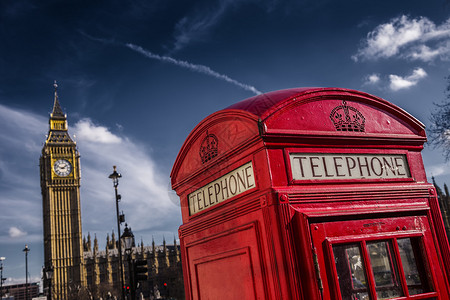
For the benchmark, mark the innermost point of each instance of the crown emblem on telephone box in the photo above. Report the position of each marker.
(208, 147)
(347, 118)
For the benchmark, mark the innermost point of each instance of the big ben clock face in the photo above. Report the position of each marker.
(62, 167)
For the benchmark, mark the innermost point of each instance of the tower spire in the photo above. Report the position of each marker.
(58, 123)
(57, 111)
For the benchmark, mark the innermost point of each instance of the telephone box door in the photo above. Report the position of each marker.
(389, 258)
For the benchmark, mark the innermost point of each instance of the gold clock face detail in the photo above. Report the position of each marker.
(62, 167)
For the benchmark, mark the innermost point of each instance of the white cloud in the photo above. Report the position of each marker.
(372, 79)
(145, 198)
(15, 232)
(425, 53)
(87, 131)
(415, 39)
(399, 83)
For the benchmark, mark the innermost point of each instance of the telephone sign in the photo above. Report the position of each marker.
(348, 166)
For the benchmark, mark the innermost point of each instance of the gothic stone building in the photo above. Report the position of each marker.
(165, 277)
(79, 270)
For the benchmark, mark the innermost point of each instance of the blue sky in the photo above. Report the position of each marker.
(135, 77)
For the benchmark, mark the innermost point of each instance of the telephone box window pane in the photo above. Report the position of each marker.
(385, 271)
(351, 272)
(413, 266)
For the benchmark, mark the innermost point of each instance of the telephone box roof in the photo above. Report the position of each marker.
(301, 115)
(259, 104)
(264, 105)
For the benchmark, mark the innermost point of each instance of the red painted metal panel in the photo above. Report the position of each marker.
(262, 243)
(227, 264)
(316, 104)
(231, 131)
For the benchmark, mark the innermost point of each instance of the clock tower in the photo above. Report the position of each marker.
(60, 187)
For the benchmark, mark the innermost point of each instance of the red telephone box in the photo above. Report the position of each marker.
(309, 193)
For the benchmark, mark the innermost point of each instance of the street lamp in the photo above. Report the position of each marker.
(127, 238)
(49, 275)
(115, 178)
(26, 250)
(1, 277)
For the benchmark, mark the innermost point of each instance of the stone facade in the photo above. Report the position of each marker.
(165, 276)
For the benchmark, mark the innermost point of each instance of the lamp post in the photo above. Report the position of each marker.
(127, 238)
(1, 277)
(26, 250)
(115, 178)
(48, 276)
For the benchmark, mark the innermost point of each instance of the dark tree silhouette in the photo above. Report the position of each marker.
(439, 131)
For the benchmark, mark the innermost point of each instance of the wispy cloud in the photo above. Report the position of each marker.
(403, 37)
(21, 140)
(398, 82)
(15, 232)
(181, 63)
(193, 67)
(97, 39)
(196, 25)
